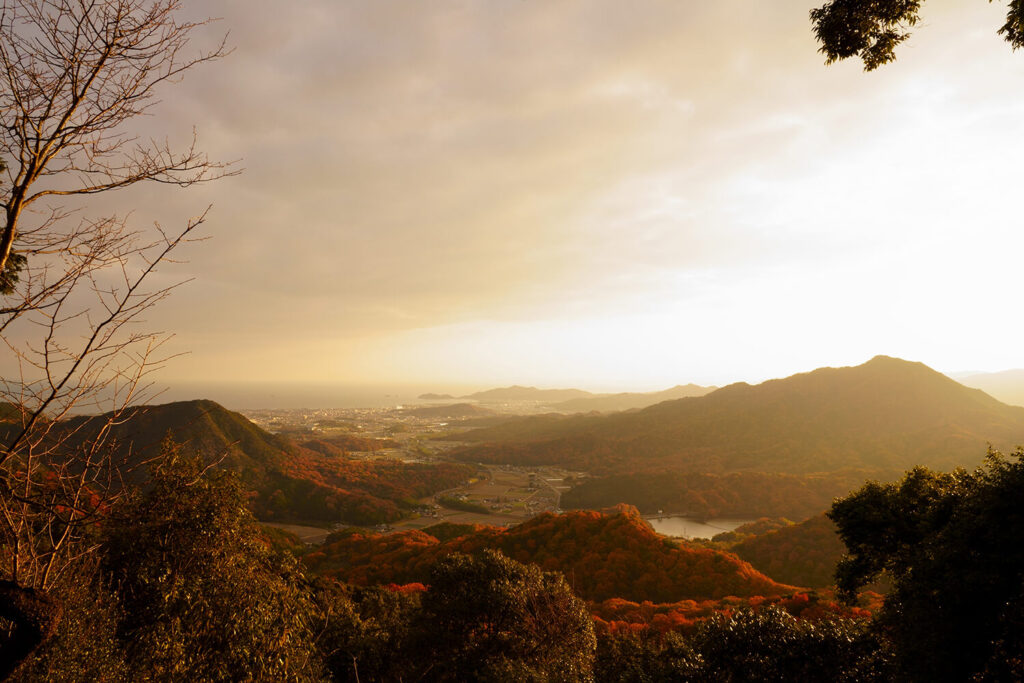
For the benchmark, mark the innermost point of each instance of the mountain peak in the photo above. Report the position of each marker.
(887, 413)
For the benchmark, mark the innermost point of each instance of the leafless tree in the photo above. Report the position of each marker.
(76, 77)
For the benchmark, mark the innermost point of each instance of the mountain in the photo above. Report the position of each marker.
(887, 414)
(290, 482)
(1007, 386)
(200, 426)
(603, 555)
(610, 403)
(518, 393)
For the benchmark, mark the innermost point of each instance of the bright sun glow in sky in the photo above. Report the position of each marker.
(599, 194)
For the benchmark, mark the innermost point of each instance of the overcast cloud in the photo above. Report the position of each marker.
(425, 181)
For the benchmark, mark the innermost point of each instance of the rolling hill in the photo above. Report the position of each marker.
(290, 482)
(803, 554)
(887, 414)
(603, 555)
(200, 426)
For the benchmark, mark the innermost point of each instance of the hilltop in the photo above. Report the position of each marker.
(314, 482)
(887, 414)
(200, 426)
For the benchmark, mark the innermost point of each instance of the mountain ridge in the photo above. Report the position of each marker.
(884, 414)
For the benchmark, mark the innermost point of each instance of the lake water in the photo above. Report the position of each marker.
(688, 527)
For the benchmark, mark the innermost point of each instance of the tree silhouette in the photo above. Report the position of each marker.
(871, 29)
(951, 542)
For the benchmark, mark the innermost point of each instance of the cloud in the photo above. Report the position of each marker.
(411, 165)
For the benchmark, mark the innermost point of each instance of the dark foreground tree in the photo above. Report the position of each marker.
(203, 596)
(765, 645)
(365, 633)
(953, 545)
(490, 618)
(84, 647)
(771, 645)
(645, 657)
(871, 29)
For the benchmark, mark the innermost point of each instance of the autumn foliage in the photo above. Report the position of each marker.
(314, 487)
(616, 615)
(602, 555)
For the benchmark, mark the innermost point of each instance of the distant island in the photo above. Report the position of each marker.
(577, 400)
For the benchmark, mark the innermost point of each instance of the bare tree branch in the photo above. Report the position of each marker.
(73, 288)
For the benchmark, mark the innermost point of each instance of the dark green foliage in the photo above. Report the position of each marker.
(645, 657)
(453, 503)
(12, 272)
(767, 645)
(771, 645)
(802, 554)
(1013, 30)
(484, 618)
(871, 29)
(85, 647)
(489, 618)
(953, 545)
(203, 598)
(365, 631)
(446, 531)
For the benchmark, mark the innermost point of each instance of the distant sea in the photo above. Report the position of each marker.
(279, 396)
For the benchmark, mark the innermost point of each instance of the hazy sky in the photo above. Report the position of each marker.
(595, 193)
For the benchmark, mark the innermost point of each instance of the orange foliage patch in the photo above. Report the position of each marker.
(602, 555)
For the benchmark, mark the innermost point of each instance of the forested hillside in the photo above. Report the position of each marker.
(603, 555)
(313, 482)
(804, 554)
(887, 414)
(738, 494)
(784, 448)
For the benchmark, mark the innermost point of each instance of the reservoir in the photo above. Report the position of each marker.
(688, 527)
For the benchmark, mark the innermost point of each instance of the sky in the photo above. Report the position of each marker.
(607, 195)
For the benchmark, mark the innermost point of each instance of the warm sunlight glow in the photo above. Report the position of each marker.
(600, 198)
